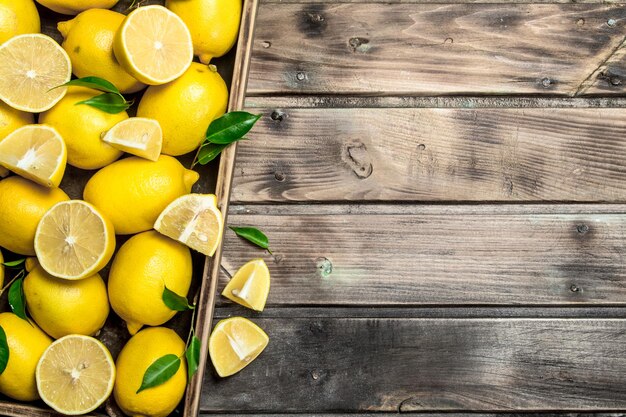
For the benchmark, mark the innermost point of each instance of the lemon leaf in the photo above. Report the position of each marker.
(231, 127)
(95, 83)
(193, 356)
(108, 102)
(253, 235)
(209, 152)
(16, 299)
(4, 350)
(174, 301)
(14, 264)
(160, 372)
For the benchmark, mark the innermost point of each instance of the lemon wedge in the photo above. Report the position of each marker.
(250, 285)
(75, 375)
(137, 136)
(35, 152)
(234, 344)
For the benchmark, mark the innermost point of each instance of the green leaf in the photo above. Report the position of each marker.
(209, 152)
(160, 372)
(108, 102)
(96, 83)
(174, 301)
(16, 299)
(193, 356)
(13, 264)
(4, 350)
(231, 127)
(252, 234)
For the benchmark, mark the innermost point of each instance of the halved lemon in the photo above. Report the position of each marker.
(138, 136)
(74, 240)
(193, 220)
(250, 285)
(35, 152)
(153, 45)
(30, 67)
(234, 344)
(75, 375)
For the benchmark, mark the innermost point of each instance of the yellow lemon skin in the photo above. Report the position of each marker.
(88, 40)
(1, 270)
(18, 17)
(132, 192)
(144, 265)
(186, 107)
(22, 204)
(26, 345)
(74, 7)
(11, 119)
(139, 353)
(61, 307)
(214, 24)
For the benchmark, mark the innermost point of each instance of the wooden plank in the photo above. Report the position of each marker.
(434, 49)
(354, 365)
(438, 255)
(419, 154)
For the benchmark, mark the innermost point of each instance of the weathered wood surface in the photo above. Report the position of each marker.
(438, 49)
(322, 365)
(406, 154)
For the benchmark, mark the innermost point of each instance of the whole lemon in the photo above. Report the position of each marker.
(22, 204)
(11, 119)
(18, 17)
(88, 40)
(214, 24)
(61, 307)
(139, 353)
(75, 7)
(82, 126)
(132, 192)
(144, 265)
(185, 107)
(26, 345)
(1, 270)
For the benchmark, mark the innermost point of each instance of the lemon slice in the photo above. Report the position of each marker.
(138, 136)
(75, 375)
(153, 45)
(193, 220)
(35, 152)
(73, 240)
(250, 285)
(234, 344)
(30, 67)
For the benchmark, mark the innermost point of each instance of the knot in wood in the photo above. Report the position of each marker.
(615, 80)
(546, 82)
(266, 44)
(359, 44)
(279, 176)
(358, 159)
(324, 266)
(300, 76)
(574, 288)
(278, 115)
(611, 23)
(582, 228)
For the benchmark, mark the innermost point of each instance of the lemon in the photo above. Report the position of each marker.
(61, 307)
(30, 67)
(74, 7)
(18, 17)
(11, 119)
(26, 345)
(214, 24)
(135, 358)
(82, 126)
(75, 375)
(137, 136)
(250, 285)
(31, 263)
(88, 40)
(153, 45)
(22, 205)
(1, 270)
(186, 107)
(234, 343)
(36, 152)
(73, 240)
(133, 192)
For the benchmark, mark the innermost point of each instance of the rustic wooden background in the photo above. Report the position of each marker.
(444, 187)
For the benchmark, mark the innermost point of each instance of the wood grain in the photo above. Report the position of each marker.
(437, 255)
(354, 365)
(435, 49)
(405, 154)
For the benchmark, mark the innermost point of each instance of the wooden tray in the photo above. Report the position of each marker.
(214, 178)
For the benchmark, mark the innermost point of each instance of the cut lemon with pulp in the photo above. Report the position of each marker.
(234, 344)
(153, 45)
(30, 67)
(73, 240)
(193, 220)
(250, 285)
(75, 375)
(138, 136)
(35, 152)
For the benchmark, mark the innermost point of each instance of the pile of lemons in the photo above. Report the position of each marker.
(44, 126)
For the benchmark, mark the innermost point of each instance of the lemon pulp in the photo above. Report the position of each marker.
(137, 136)
(250, 285)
